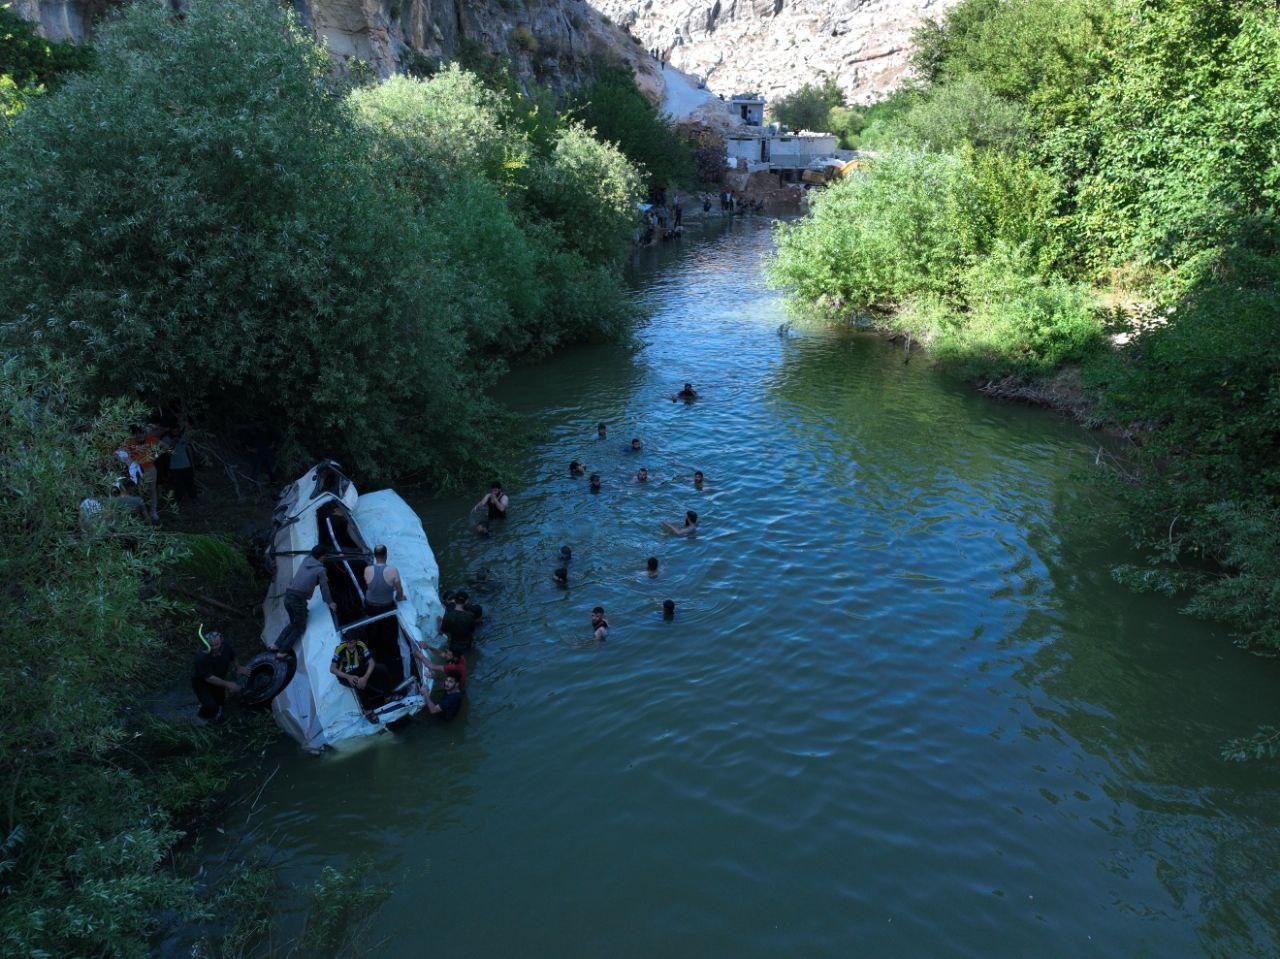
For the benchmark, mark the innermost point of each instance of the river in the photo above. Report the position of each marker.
(903, 709)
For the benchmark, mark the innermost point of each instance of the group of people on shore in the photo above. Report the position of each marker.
(663, 222)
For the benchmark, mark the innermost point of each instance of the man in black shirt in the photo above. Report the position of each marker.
(448, 707)
(459, 624)
(209, 676)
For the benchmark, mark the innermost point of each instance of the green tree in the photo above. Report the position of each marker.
(84, 829)
(809, 107)
(620, 114)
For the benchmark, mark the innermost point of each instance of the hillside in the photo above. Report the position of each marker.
(776, 46)
(555, 43)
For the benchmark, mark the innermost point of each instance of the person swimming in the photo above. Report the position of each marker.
(601, 431)
(634, 447)
(642, 475)
(566, 554)
(560, 577)
(496, 500)
(576, 469)
(652, 566)
(690, 524)
(668, 609)
(697, 479)
(594, 482)
(688, 394)
(599, 625)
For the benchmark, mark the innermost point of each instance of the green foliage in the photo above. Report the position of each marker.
(213, 561)
(954, 114)
(620, 114)
(809, 107)
(912, 223)
(429, 131)
(587, 190)
(200, 217)
(86, 828)
(1187, 129)
(30, 64)
(329, 930)
(1146, 132)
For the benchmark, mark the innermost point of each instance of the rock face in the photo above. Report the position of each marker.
(774, 47)
(554, 42)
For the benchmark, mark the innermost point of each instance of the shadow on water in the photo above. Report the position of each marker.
(903, 709)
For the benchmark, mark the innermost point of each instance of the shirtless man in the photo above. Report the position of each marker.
(688, 394)
(642, 475)
(690, 525)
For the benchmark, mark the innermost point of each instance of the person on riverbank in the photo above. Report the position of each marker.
(450, 704)
(677, 208)
(297, 598)
(576, 469)
(459, 625)
(668, 610)
(139, 452)
(706, 203)
(651, 566)
(599, 625)
(496, 500)
(209, 676)
(690, 525)
(594, 483)
(182, 470)
(642, 475)
(688, 394)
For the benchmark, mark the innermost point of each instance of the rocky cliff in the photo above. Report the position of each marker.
(555, 42)
(775, 46)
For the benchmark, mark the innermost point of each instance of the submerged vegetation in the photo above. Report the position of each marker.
(1067, 170)
(199, 216)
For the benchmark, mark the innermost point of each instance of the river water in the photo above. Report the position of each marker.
(902, 710)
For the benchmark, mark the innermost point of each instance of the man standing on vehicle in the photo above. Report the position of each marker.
(296, 598)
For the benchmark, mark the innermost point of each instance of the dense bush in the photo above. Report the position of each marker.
(911, 223)
(200, 218)
(1147, 131)
(620, 114)
(87, 815)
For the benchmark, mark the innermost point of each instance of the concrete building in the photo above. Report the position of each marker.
(749, 109)
(787, 154)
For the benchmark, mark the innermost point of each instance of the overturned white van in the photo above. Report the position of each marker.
(323, 507)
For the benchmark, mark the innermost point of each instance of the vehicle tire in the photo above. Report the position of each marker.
(268, 676)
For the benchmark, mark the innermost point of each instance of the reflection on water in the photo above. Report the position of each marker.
(903, 709)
